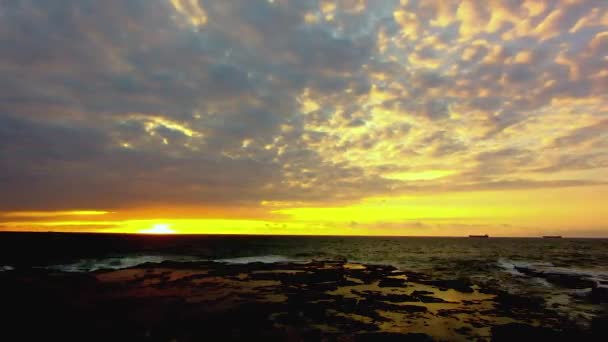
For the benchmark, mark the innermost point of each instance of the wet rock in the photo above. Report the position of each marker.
(317, 276)
(322, 279)
(391, 282)
(509, 302)
(416, 296)
(453, 312)
(365, 308)
(599, 295)
(464, 330)
(369, 306)
(566, 280)
(415, 276)
(420, 292)
(599, 327)
(523, 332)
(425, 297)
(389, 297)
(373, 273)
(389, 337)
(461, 285)
(478, 324)
(273, 301)
(411, 308)
(365, 276)
(569, 281)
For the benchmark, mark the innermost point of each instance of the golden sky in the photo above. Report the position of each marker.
(428, 117)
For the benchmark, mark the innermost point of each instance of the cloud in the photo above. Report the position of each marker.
(583, 134)
(121, 104)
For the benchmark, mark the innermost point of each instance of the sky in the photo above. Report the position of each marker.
(419, 117)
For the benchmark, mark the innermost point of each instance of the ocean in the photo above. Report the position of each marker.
(449, 255)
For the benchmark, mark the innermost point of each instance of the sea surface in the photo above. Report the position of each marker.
(528, 266)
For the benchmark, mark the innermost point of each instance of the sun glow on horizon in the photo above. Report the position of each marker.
(159, 228)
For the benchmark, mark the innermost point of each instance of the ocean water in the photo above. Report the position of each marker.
(512, 264)
(445, 256)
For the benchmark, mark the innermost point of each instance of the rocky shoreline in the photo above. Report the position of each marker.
(318, 300)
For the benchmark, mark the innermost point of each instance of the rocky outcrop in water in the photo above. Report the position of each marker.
(321, 300)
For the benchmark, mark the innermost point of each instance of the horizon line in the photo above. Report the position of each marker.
(298, 235)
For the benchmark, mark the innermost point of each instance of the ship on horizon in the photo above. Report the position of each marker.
(485, 236)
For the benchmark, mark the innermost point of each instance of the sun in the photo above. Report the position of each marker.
(160, 228)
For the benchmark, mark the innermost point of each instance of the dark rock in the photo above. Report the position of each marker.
(416, 296)
(317, 276)
(368, 307)
(523, 332)
(569, 281)
(231, 306)
(508, 302)
(365, 276)
(452, 312)
(411, 308)
(373, 273)
(599, 295)
(415, 276)
(461, 285)
(464, 330)
(566, 280)
(423, 297)
(478, 325)
(599, 327)
(388, 337)
(389, 297)
(391, 282)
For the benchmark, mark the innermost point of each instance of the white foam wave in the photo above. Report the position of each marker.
(266, 259)
(6, 268)
(598, 276)
(114, 263)
(510, 266)
(90, 265)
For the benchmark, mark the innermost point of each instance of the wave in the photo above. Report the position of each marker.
(6, 268)
(511, 266)
(121, 262)
(266, 259)
(116, 263)
(599, 277)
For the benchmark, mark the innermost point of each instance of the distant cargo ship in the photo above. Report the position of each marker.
(552, 237)
(479, 236)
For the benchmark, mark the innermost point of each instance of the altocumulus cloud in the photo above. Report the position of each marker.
(112, 104)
